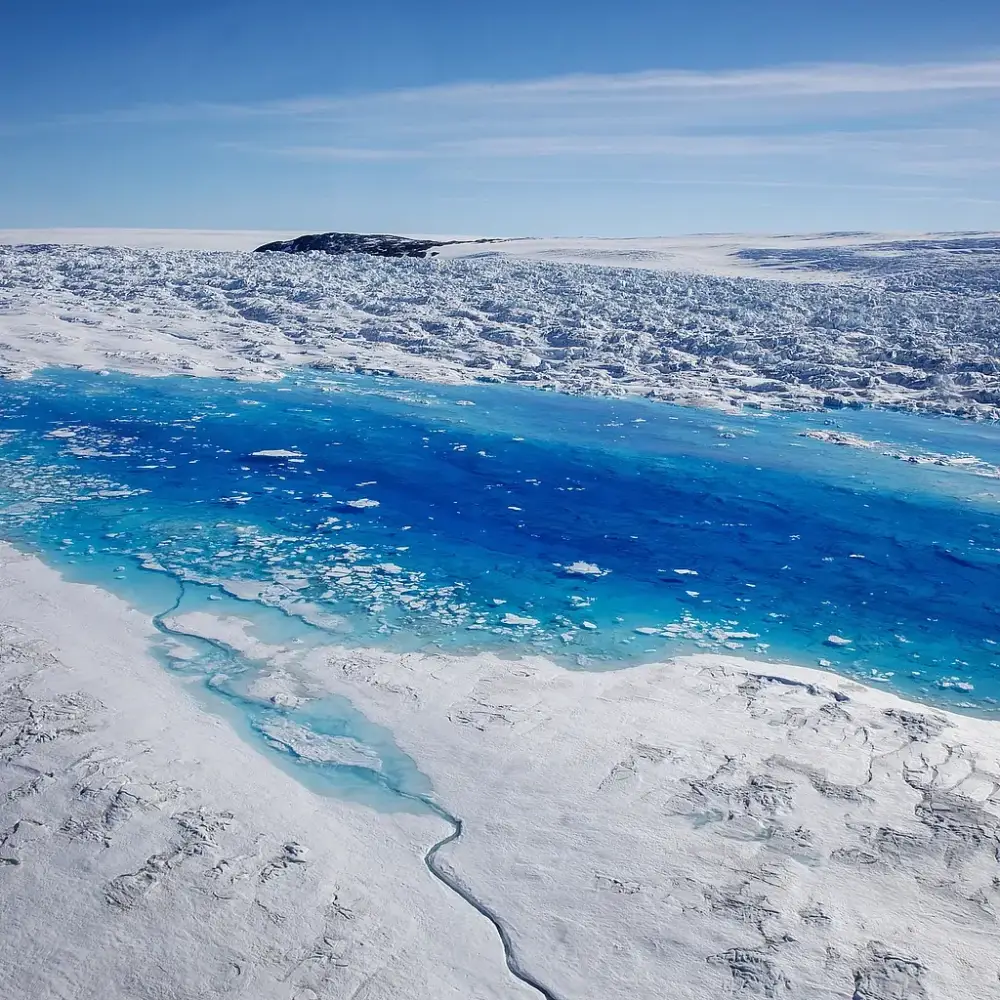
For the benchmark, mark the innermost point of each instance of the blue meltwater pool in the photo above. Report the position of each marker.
(600, 532)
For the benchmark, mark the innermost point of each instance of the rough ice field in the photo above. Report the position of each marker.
(967, 263)
(928, 343)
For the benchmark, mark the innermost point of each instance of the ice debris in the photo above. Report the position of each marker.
(276, 453)
(581, 568)
(511, 619)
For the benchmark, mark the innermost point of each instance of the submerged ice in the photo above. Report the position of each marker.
(599, 532)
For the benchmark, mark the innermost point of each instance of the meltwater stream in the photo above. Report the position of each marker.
(220, 663)
(379, 512)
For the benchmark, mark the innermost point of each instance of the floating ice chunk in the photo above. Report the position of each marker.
(464, 402)
(284, 699)
(62, 432)
(837, 640)
(363, 503)
(511, 619)
(693, 593)
(954, 684)
(580, 568)
(276, 453)
(308, 745)
(390, 569)
(589, 625)
(646, 630)
(686, 572)
(824, 663)
(110, 494)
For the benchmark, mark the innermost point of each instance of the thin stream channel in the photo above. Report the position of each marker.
(226, 654)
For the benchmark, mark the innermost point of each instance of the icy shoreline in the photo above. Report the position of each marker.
(693, 822)
(146, 850)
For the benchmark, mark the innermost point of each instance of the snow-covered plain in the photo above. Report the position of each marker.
(147, 853)
(924, 336)
(817, 839)
(723, 254)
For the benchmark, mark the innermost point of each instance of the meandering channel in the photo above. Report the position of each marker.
(513, 963)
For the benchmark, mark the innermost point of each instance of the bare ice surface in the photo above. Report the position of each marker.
(694, 828)
(147, 852)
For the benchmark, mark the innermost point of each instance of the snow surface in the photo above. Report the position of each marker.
(925, 337)
(723, 254)
(817, 838)
(814, 837)
(147, 853)
(160, 239)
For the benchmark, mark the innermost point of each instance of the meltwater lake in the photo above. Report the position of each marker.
(600, 532)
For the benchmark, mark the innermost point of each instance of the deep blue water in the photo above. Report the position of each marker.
(486, 494)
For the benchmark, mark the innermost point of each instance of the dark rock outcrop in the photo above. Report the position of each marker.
(376, 245)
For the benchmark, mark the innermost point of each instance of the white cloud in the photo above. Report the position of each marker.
(960, 80)
(956, 152)
(332, 154)
(910, 119)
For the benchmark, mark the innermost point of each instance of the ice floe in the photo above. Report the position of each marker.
(584, 569)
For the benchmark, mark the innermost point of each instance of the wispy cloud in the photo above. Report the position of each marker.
(332, 154)
(910, 119)
(958, 81)
(909, 152)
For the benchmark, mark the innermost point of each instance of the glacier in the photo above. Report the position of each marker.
(281, 642)
(924, 339)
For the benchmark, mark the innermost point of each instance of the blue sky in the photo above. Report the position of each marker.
(642, 117)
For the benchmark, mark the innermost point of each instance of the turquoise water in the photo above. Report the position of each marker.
(407, 515)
